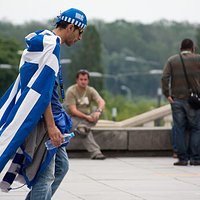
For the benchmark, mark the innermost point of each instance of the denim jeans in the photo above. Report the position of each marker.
(86, 135)
(49, 181)
(184, 117)
(173, 139)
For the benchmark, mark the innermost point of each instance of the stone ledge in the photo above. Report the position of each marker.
(151, 139)
(128, 139)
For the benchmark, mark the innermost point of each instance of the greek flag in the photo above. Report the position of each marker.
(25, 101)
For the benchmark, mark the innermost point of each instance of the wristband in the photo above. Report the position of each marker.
(99, 110)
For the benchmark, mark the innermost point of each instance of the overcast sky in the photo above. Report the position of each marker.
(145, 11)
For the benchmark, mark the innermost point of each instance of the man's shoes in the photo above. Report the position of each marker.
(82, 131)
(99, 156)
(195, 162)
(181, 163)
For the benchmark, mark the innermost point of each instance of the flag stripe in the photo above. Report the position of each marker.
(28, 103)
(21, 111)
(10, 98)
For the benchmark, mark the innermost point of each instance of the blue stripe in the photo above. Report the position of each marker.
(9, 177)
(15, 109)
(39, 31)
(35, 43)
(27, 71)
(2, 101)
(6, 95)
(44, 83)
(18, 158)
(33, 117)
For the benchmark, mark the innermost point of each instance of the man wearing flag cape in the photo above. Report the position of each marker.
(31, 113)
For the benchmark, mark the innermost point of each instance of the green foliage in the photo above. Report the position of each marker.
(105, 47)
(87, 55)
(152, 42)
(125, 108)
(9, 51)
(18, 32)
(8, 55)
(198, 40)
(149, 46)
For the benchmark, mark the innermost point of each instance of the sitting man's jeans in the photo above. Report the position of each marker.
(49, 181)
(188, 148)
(82, 127)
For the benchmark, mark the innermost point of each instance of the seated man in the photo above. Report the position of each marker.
(77, 102)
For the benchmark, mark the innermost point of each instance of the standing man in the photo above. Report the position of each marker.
(78, 101)
(30, 111)
(175, 88)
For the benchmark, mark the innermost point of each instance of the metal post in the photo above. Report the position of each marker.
(114, 113)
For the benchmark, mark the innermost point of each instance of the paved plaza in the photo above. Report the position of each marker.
(120, 178)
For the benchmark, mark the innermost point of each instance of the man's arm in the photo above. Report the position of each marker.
(99, 110)
(92, 117)
(75, 112)
(165, 82)
(53, 132)
(101, 105)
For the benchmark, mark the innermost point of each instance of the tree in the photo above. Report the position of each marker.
(9, 51)
(87, 56)
(105, 46)
(8, 55)
(198, 40)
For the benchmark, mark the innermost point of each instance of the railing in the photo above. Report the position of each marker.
(135, 134)
(147, 119)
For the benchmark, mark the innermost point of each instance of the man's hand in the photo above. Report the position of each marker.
(93, 117)
(55, 135)
(170, 100)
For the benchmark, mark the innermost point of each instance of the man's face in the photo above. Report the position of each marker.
(74, 35)
(82, 81)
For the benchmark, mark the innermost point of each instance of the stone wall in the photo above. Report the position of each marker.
(128, 139)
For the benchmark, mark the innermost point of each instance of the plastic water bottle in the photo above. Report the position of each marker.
(67, 138)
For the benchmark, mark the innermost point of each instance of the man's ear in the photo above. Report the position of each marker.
(70, 27)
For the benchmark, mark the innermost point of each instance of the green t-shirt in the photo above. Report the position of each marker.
(82, 101)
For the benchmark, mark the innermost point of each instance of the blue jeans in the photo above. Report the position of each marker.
(49, 181)
(173, 138)
(185, 117)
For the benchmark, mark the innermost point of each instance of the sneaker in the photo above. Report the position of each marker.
(195, 162)
(181, 163)
(99, 156)
(81, 131)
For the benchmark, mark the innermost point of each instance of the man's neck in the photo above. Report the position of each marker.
(57, 32)
(186, 52)
(81, 89)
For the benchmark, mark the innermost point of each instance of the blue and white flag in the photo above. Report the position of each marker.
(27, 98)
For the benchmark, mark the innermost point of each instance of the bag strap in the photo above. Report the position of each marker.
(185, 73)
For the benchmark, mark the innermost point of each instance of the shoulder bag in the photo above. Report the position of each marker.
(194, 97)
